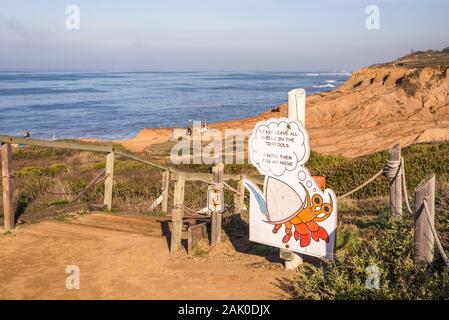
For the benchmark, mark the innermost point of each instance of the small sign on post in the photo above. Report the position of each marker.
(215, 202)
(215, 199)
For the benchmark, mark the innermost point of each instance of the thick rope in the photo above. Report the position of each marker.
(362, 185)
(392, 168)
(395, 169)
(435, 234)
(11, 175)
(404, 187)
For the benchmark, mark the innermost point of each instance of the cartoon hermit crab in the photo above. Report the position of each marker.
(282, 205)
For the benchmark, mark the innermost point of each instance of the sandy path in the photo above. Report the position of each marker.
(124, 257)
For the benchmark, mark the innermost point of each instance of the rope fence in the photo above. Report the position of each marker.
(395, 169)
(435, 234)
(362, 185)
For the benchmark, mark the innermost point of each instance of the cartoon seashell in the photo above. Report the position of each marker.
(282, 201)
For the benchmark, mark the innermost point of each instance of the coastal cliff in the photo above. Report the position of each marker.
(405, 101)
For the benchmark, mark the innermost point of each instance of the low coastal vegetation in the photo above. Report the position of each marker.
(370, 246)
(46, 179)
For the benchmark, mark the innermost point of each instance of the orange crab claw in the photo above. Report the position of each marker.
(313, 226)
(304, 240)
(300, 228)
(321, 233)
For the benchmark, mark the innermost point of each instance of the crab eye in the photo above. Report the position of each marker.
(317, 199)
(327, 208)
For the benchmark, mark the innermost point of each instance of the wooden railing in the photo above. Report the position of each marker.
(169, 174)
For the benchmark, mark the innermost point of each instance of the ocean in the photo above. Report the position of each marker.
(116, 105)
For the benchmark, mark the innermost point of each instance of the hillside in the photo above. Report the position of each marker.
(405, 101)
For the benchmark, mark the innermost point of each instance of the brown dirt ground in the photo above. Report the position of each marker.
(125, 257)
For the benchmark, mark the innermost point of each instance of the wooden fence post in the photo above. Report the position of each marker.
(8, 214)
(239, 197)
(218, 178)
(423, 236)
(108, 183)
(178, 196)
(165, 190)
(176, 228)
(395, 184)
(177, 213)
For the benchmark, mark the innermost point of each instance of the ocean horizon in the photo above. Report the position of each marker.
(118, 104)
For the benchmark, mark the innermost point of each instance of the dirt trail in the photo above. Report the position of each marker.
(124, 257)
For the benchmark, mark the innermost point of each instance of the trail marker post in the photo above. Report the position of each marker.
(216, 203)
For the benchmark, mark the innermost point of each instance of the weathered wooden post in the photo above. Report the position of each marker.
(176, 228)
(423, 236)
(239, 197)
(296, 110)
(178, 196)
(395, 182)
(177, 213)
(8, 214)
(165, 190)
(109, 182)
(218, 178)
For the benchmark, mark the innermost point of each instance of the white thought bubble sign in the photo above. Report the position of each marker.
(278, 145)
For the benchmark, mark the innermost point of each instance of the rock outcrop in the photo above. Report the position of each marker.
(405, 101)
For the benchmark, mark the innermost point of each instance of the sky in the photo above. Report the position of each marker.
(216, 35)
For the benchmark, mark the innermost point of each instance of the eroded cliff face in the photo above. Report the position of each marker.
(374, 96)
(379, 106)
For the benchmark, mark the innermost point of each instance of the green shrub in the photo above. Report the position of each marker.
(344, 174)
(58, 202)
(56, 169)
(386, 246)
(30, 171)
